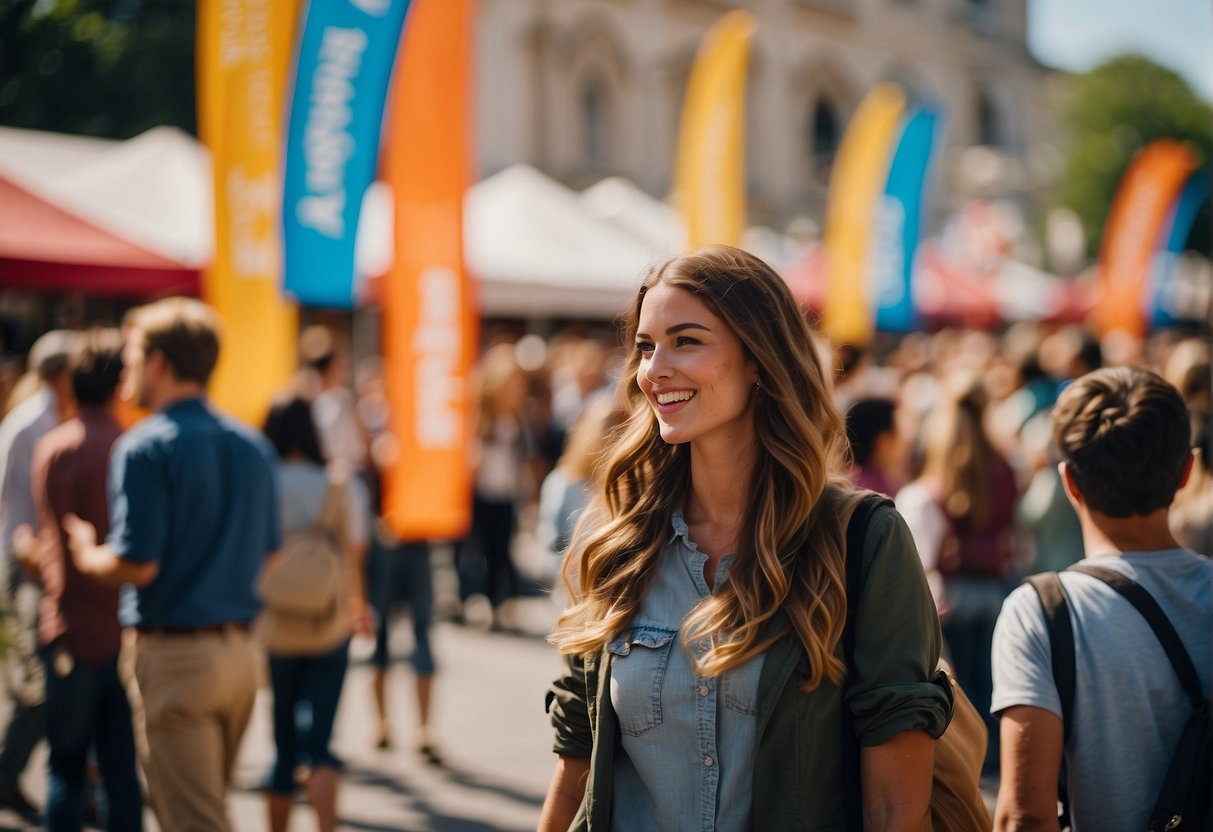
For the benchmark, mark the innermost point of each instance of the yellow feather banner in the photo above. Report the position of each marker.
(860, 171)
(244, 50)
(709, 173)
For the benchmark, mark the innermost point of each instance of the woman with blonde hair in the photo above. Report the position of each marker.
(705, 686)
(503, 448)
(961, 511)
(567, 488)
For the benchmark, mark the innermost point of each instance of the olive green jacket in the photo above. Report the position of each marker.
(797, 779)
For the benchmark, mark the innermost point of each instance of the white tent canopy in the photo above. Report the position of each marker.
(153, 190)
(537, 248)
(539, 253)
(620, 201)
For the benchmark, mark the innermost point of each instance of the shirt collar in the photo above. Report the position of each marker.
(96, 414)
(678, 528)
(188, 403)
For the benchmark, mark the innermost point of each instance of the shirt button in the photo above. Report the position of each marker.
(703, 690)
(708, 761)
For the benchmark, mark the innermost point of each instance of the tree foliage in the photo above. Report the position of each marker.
(110, 68)
(1111, 113)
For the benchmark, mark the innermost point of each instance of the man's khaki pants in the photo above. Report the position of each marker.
(192, 700)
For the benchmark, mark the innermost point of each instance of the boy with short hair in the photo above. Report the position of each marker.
(1123, 436)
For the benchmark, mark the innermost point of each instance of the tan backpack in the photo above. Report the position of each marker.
(306, 592)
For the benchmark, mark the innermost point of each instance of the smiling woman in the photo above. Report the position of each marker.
(708, 587)
(694, 372)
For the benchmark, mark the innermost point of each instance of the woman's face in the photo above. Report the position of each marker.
(693, 371)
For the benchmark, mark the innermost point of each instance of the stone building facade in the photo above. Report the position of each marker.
(582, 89)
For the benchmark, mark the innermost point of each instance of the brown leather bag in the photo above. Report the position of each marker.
(956, 799)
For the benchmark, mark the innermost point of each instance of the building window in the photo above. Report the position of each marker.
(594, 107)
(825, 134)
(989, 129)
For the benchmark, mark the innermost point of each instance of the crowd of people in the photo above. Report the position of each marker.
(690, 575)
(690, 487)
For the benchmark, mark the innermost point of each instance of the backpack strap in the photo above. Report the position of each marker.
(331, 518)
(1145, 604)
(1061, 647)
(1061, 641)
(861, 511)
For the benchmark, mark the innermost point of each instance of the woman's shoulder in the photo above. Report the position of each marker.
(302, 473)
(887, 535)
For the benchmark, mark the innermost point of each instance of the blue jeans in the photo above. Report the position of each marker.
(401, 574)
(88, 707)
(306, 691)
(968, 629)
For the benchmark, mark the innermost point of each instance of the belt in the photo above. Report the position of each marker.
(211, 629)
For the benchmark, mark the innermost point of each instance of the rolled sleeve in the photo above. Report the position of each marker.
(897, 641)
(567, 705)
(140, 506)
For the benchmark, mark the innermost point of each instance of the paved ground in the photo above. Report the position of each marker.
(488, 721)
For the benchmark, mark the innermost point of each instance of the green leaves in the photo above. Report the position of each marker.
(109, 68)
(1112, 112)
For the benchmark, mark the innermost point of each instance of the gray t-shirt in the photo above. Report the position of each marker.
(1129, 707)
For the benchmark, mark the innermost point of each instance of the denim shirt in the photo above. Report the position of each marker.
(796, 778)
(688, 741)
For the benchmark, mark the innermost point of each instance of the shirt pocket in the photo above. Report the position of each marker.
(740, 687)
(638, 666)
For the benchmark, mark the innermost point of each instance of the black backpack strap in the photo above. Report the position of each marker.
(1145, 604)
(1061, 640)
(857, 532)
(1061, 645)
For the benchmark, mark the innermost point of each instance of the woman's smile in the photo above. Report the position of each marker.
(693, 369)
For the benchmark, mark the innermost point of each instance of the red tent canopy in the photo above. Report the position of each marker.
(105, 218)
(44, 248)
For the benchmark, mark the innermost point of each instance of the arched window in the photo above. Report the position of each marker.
(825, 134)
(827, 131)
(989, 127)
(594, 108)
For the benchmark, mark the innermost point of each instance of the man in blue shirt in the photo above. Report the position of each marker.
(193, 516)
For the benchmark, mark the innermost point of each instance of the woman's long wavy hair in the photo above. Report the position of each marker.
(789, 552)
(958, 454)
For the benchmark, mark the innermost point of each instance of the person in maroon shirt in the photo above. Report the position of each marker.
(80, 636)
(878, 449)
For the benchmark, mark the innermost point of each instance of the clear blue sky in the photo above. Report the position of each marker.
(1079, 34)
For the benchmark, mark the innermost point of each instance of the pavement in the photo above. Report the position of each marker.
(488, 724)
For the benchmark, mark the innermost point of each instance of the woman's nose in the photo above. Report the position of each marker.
(657, 368)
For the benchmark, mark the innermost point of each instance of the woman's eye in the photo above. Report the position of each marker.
(686, 340)
(644, 346)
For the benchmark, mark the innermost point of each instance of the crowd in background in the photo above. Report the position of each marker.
(952, 425)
